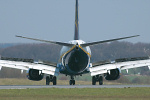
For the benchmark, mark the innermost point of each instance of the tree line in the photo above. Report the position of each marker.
(50, 52)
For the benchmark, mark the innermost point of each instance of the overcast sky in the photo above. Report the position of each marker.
(54, 20)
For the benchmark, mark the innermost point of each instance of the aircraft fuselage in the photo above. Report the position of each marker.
(75, 60)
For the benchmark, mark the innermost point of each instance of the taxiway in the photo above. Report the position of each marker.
(68, 86)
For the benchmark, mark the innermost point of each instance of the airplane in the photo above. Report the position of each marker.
(74, 60)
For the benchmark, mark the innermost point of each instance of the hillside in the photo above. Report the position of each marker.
(50, 52)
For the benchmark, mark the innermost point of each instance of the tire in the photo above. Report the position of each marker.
(101, 80)
(70, 82)
(73, 82)
(47, 80)
(54, 80)
(93, 80)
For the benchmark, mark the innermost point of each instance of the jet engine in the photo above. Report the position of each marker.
(35, 75)
(113, 75)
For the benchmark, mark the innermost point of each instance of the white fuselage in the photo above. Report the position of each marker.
(72, 57)
(67, 48)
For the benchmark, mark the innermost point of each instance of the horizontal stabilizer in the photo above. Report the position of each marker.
(98, 42)
(54, 42)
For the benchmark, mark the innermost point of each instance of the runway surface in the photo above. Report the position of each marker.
(68, 86)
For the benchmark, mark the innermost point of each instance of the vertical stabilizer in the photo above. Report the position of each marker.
(76, 34)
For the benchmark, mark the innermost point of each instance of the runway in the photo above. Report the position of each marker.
(68, 86)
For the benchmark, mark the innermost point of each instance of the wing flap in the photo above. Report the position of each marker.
(134, 66)
(46, 69)
(102, 69)
(98, 72)
(11, 64)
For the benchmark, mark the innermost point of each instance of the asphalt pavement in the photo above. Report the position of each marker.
(68, 86)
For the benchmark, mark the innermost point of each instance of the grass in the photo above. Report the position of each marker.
(69, 94)
(76, 94)
(24, 81)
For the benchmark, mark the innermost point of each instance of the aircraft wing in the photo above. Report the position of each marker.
(122, 64)
(26, 64)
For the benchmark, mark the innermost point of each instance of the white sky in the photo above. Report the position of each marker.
(54, 20)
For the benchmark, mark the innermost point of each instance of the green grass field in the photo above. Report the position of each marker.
(76, 94)
(69, 94)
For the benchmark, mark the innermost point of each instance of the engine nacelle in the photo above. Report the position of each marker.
(113, 75)
(35, 75)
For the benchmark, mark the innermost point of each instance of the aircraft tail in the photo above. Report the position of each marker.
(76, 34)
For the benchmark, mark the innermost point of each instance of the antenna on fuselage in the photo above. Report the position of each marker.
(76, 34)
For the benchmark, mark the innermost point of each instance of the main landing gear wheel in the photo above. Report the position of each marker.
(93, 80)
(97, 78)
(47, 80)
(51, 79)
(72, 81)
(100, 80)
(54, 80)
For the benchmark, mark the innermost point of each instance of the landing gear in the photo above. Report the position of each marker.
(72, 81)
(100, 80)
(97, 78)
(94, 80)
(47, 80)
(54, 80)
(51, 79)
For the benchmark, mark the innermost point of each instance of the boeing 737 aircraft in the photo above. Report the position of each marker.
(74, 60)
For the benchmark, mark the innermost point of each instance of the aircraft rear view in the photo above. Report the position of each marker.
(75, 60)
